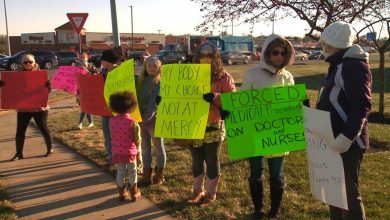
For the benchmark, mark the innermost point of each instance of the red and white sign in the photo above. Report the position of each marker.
(77, 20)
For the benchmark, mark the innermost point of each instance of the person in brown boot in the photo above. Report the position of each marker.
(198, 190)
(122, 192)
(211, 191)
(135, 194)
(158, 177)
(146, 179)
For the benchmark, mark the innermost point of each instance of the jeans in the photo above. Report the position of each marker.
(276, 173)
(82, 116)
(40, 118)
(107, 136)
(207, 154)
(352, 160)
(121, 169)
(147, 135)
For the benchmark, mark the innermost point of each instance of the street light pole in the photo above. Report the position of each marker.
(6, 27)
(132, 33)
(115, 33)
(159, 31)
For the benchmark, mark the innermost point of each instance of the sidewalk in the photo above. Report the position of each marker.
(63, 186)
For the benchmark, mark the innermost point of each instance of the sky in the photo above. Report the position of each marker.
(175, 17)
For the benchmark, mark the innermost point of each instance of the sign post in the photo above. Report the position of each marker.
(77, 21)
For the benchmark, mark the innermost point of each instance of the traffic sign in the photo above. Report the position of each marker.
(77, 20)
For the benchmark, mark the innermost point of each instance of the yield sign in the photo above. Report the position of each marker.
(77, 20)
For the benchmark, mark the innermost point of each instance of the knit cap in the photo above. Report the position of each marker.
(110, 56)
(338, 34)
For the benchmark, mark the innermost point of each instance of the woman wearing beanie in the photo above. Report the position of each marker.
(346, 94)
(277, 53)
(108, 60)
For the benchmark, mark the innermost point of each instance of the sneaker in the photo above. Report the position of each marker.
(81, 126)
(48, 153)
(17, 157)
(90, 125)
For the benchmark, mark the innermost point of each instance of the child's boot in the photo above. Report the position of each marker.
(158, 177)
(198, 190)
(135, 194)
(122, 193)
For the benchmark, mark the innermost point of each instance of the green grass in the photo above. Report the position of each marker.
(233, 194)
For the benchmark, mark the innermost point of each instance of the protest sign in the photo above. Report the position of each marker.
(182, 112)
(24, 89)
(326, 170)
(91, 94)
(122, 79)
(266, 121)
(65, 79)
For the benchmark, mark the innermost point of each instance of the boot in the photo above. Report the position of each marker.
(256, 190)
(276, 199)
(211, 191)
(198, 190)
(134, 192)
(19, 149)
(146, 179)
(158, 177)
(122, 192)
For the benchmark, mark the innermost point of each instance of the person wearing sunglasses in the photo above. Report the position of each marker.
(38, 114)
(277, 53)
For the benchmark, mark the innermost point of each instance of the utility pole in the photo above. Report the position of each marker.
(159, 31)
(232, 27)
(115, 33)
(6, 27)
(132, 32)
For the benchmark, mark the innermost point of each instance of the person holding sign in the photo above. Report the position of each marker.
(126, 141)
(346, 94)
(277, 53)
(38, 114)
(206, 151)
(148, 89)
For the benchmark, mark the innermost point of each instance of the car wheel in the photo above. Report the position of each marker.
(48, 65)
(180, 61)
(230, 62)
(14, 66)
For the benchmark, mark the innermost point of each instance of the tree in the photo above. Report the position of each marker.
(318, 14)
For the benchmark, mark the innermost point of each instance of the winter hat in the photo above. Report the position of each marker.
(110, 56)
(338, 34)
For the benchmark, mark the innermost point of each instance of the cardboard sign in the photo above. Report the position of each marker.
(182, 112)
(91, 94)
(122, 79)
(267, 121)
(65, 78)
(77, 20)
(326, 169)
(24, 89)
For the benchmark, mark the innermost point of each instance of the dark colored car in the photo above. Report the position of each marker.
(233, 57)
(66, 58)
(3, 56)
(45, 60)
(139, 57)
(316, 55)
(171, 56)
(96, 60)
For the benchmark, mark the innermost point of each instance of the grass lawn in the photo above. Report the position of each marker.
(233, 194)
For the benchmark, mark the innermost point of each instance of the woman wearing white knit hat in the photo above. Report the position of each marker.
(346, 94)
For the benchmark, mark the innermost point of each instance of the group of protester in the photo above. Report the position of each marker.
(345, 93)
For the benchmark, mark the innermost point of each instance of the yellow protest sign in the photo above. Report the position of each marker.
(182, 112)
(122, 79)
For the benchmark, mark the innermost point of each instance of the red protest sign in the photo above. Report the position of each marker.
(65, 79)
(77, 20)
(91, 94)
(24, 89)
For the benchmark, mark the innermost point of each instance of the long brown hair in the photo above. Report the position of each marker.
(217, 69)
(144, 74)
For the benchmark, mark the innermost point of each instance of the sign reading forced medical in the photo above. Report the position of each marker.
(264, 122)
(182, 112)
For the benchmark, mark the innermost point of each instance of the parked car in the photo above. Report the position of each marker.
(316, 55)
(66, 58)
(45, 60)
(171, 56)
(300, 56)
(139, 57)
(233, 57)
(3, 56)
(95, 59)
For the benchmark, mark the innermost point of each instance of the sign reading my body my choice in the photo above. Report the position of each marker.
(182, 112)
(265, 121)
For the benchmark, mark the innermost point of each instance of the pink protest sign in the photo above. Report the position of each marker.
(64, 79)
(91, 94)
(24, 89)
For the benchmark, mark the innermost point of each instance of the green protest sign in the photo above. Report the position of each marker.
(267, 121)
(122, 79)
(182, 112)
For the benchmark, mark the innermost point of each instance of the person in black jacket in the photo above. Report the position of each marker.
(346, 94)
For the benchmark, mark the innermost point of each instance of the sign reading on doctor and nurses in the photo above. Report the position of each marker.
(182, 112)
(266, 121)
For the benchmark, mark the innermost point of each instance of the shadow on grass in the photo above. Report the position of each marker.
(377, 118)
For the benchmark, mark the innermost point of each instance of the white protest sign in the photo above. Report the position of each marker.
(326, 170)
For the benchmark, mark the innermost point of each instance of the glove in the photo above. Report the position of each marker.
(209, 97)
(224, 114)
(341, 144)
(48, 85)
(306, 103)
(1, 83)
(158, 99)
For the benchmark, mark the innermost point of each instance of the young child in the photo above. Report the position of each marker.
(125, 137)
(148, 88)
